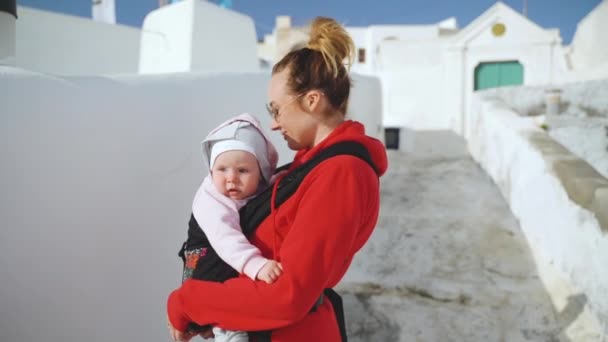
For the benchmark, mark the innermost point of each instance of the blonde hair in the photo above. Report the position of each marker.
(320, 65)
(332, 41)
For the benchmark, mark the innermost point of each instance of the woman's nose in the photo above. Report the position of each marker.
(274, 125)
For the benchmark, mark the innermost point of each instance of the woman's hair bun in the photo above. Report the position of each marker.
(331, 39)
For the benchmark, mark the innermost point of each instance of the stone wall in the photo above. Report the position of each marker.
(559, 199)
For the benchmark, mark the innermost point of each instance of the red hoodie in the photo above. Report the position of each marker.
(315, 234)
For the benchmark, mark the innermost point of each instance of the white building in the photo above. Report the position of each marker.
(62, 44)
(283, 39)
(429, 72)
(501, 47)
(179, 37)
(587, 56)
(185, 36)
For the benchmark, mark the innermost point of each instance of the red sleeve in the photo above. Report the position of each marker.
(339, 198)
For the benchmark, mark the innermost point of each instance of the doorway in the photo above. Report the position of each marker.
(498, 74)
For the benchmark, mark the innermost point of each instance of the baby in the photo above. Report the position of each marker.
(241, 162)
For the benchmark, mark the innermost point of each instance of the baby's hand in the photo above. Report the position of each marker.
(270, 272)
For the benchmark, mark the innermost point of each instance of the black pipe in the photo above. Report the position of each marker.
(9, 6)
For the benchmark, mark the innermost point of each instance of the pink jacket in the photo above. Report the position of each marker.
(218, 215)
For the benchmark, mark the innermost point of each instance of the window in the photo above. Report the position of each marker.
(361, 55)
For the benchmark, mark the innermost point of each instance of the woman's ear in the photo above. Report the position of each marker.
(313, 100)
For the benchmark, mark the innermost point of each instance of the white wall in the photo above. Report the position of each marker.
(522, 41)
(97, 179)
(589, 48)
(428, 79)
(166, 39)
(194, 35)
(534, 47)
(587, 57)
(359, 36)
(453, 104)
(267, 50)
(412, 69)
(413, 75)
(404, 32)
(66, 45)
(366, 104)
(565, 234)
(535, 59)
(411, 33)
(7, 38)
(598, 72)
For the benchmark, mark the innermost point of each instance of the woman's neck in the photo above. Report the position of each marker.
(327, 126)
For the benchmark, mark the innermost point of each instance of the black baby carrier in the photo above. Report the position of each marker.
(252, 215)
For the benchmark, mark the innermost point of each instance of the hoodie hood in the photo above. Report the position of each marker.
(348, 131)
(242, 132)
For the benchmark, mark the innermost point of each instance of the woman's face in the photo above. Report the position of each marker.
(289, 115)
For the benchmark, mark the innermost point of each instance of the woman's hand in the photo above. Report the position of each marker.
(177, 335)
(206, 334)
(270, 272)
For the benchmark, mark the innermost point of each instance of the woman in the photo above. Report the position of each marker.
(316, 232)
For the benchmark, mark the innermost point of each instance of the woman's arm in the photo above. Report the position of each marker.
(337, 211)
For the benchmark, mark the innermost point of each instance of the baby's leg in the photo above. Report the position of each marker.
(222, 335)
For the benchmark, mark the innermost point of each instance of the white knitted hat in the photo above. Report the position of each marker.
(228, 145)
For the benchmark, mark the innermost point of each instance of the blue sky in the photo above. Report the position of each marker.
(562, 14)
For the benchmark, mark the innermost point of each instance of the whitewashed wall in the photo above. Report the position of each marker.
(413, 76)
(535, 59)
(379, 33)
(67, 45)
(359, 36)
(534, 47)
(366, 104)
(97, 179)
(587, 57)
(453, 104)
(444, 90)
(194, 35)
(428, 79)
(544, 185)
(588, 51)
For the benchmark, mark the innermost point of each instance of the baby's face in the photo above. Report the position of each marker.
(236, 174)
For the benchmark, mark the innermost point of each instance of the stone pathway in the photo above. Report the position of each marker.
(447, 261)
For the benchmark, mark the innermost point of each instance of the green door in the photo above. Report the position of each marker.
(498, 74)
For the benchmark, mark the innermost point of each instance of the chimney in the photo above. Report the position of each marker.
(104, 11)
(8, 16)
(283, 22)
